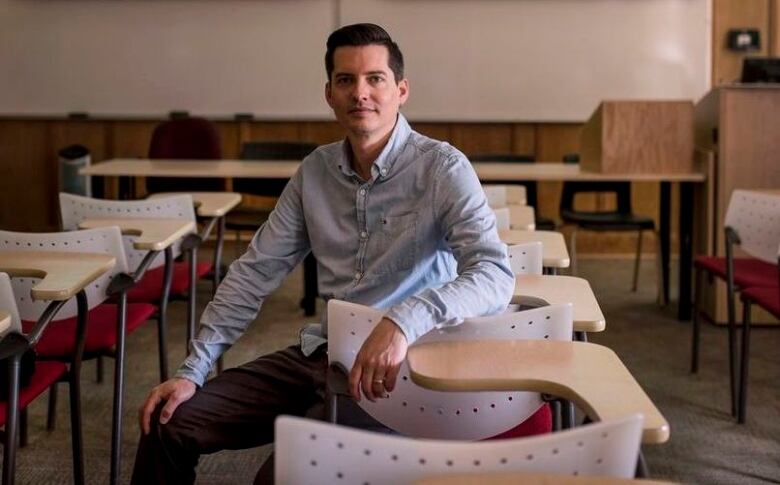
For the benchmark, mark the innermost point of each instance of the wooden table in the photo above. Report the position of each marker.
(564, 289)
(487, 172)
(5, 321)
(530, 479)
(153, 234)
(592, 376)
(554, 252)
(63, 273)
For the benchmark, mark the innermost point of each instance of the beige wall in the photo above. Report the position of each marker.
(479, 60)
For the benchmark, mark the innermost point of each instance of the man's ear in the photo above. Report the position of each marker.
(403, 88)
(328, 94)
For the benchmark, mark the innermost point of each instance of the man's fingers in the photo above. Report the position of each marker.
(391, 377)
(170, 406)
(368, 384)
(146, 411)
(354, 381)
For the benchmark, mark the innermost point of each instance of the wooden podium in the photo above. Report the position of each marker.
(739, 127)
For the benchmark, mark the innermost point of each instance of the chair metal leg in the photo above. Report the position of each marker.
(642, 470)
(193, 258)
(731, 305)
(573, 252)
(119, 375)
(659, 273)
(162, 323)
(74, 380)
(638, 257)
(11, 420)
(51, 416)
(696, 327)
(568, 420)
(743, 368)
(218, 275)
(23, 428)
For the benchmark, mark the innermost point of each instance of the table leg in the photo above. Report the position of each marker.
(664, 233)
(686, 250)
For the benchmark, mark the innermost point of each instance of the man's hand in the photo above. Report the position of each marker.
(174, 391)
(378, 362)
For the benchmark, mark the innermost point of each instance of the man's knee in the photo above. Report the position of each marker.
(173, 434)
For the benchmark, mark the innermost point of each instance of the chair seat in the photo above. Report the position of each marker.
(59, 340)
(149, 288)
(607, 221)
(539, 422)
(46, 374)
(766, 298)
(747, 271)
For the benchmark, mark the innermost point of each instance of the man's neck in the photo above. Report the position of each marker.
(365, 151)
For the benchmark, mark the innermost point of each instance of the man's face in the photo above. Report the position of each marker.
(363, 92)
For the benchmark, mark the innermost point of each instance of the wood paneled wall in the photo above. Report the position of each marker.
(29, 168)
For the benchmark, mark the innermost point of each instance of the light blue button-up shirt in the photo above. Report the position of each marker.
(417, 240)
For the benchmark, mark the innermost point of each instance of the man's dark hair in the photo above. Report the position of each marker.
(365, 34)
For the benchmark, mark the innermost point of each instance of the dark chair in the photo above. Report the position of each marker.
(249, 218)
(542, 223)
(620, 219)
(185, 139)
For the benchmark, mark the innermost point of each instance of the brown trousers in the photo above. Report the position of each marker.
(235, 410)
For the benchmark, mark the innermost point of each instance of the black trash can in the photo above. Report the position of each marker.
(73, 158)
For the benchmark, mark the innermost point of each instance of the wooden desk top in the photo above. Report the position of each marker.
(564, 289)
(153, 234)
(592, 376)
(208, 204)
(554, 252)
(5, 321)
(486, 171)
(63, 274)
(529, 479)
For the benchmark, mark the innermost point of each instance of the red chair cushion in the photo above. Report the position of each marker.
(59, 339)
(149, 288)
(766, 298)
(46, 374)
(747, 271)
(538, 423)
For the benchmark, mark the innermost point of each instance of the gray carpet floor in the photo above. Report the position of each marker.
(706, 445)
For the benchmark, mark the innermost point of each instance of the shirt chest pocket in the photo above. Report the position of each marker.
(393, 246)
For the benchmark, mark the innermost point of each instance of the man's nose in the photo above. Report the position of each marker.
(360, 91)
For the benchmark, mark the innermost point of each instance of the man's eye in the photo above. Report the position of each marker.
(342, 80)
(376, 79)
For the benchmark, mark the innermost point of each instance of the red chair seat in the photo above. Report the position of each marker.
(747, 271)
(538, 423)
(59, 339)
(149, 288)
(766, 298)
(46, 374)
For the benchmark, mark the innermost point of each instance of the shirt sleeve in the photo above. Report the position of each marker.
(485, 283)
(279, 245)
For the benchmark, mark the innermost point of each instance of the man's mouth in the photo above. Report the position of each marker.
(361, 110)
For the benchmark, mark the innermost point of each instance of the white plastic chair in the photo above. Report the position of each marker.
(415, 411)
(515, 217)
(8, 304)
(526, 258)
(502, 195)
(313, 452)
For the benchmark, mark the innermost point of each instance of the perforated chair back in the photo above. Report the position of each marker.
(185, 139)
(526, 258)
(107, 240)
(415, 411)
(755, 216)
(312, 452)
(76, 208)
(8, 304)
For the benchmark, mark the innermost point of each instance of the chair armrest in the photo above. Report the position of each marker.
(120, 284)
(190, 242)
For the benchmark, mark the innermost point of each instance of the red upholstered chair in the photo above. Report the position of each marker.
(150, 289)
(769, 299)
(13, 346)
(753, 223)
(185, 139)
(108, 323)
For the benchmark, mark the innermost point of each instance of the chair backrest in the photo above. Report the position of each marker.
(521, 217)
(755, 216)
(76, 208)
(622, 191)
(415, 411)
(499, 195)
(270, 150)
(309, 452)
(526, 258)
(189, 139)
(106, 240)
(8, 304)
(502, 218)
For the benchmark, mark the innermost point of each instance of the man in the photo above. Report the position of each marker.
(396, 221)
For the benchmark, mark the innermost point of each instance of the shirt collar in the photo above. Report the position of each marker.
(383, 164)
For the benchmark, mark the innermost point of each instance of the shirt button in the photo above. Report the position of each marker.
(383, 171)
(363, 234)
(362, 192)
(358, 275)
